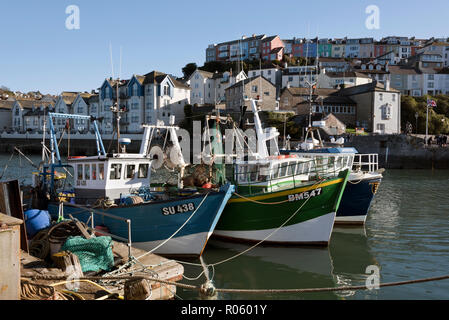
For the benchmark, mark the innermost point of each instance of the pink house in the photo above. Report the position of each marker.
(272, 48)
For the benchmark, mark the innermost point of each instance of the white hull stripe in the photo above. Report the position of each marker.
(317, 230)
(186, 245)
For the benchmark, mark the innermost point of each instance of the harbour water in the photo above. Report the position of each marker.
(406, 235)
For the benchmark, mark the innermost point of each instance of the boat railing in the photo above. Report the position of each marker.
(292, 173)
(331, 163)
(368, 162)
(91, 221)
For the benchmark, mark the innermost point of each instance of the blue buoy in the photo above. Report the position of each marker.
(36, 220)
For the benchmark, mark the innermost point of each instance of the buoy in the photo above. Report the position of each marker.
(207, 185)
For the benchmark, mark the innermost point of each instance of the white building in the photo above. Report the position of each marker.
(201, 88)
(341, 79)
(209, 88)
(164, 97)
(378, 107)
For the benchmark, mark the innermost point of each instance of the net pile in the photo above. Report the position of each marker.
(95, 254)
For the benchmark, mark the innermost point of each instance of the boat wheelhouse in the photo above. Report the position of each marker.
(117, 187)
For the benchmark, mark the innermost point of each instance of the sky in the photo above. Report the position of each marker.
(39, 52)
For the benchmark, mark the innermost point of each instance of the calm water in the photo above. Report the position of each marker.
(406, 236)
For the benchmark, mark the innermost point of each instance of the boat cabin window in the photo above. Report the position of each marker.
(94, 171)
(116, 171)
(275, 171)
(130, 171)
(87, 171)
(283, 170)
(291, 168)
(143, 171)
(79, 169)
(101, 171)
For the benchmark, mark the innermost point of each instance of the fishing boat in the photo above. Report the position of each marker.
(279, 199)
(114, 190)
(363, 181)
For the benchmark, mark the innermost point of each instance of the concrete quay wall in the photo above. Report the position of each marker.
(402, 151)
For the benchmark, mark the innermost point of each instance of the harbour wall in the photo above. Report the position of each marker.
(395, 151)
(402, 151)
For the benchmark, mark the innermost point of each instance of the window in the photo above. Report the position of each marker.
(87, 171)
(266, 93)
(430, 85)
(94, 171)
(143, 171)
(130, 171)
(431, 77)
(116, 171)
(253, 88)
(166, 90)
(381, 97)
(80, 171)
(386, 114)
(101, 171)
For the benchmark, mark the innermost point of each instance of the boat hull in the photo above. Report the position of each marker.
(296, 216)
(153, 223)
(357, 198)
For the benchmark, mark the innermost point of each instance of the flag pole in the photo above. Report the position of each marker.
(427, 122)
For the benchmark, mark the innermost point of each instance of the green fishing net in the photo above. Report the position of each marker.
(95, 254)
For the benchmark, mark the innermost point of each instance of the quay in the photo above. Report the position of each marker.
(27, 267)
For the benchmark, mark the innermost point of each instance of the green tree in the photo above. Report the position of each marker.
(189, 69)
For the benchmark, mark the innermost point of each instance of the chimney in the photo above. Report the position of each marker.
(387, 84)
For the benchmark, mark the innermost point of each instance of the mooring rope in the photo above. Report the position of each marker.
(245, 291)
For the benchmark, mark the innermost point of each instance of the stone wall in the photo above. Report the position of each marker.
(402, 151)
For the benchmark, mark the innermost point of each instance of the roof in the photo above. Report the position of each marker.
(68, 97)
(29, 103)
(248, 80)
(349, 74)
(302, 91)
(267, 66)
(6, 104)
(94, 98)
(368, 87)
(270, 38)
(332, 99)
(404, 70)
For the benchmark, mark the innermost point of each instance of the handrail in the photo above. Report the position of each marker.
(311, 167)
(372, 164)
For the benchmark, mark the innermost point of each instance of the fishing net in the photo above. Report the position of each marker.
(95, 254)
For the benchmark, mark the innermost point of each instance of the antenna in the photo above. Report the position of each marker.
(112, 64)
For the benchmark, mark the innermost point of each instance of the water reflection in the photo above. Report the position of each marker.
(265, 267)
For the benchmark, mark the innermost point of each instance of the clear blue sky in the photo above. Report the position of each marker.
(37, 52)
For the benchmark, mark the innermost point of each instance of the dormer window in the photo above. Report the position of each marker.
(166, 90)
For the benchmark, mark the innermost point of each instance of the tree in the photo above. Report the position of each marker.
(189, 69)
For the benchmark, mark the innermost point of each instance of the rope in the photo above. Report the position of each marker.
(249, 291)
(269, 235)
(176, 232)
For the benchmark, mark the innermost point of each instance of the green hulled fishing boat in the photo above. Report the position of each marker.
(280, 199)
